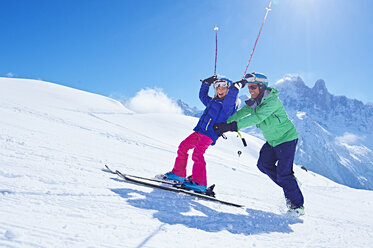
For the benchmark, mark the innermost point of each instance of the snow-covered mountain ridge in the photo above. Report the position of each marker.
(54, 142)
(187, 110)
(331, 111)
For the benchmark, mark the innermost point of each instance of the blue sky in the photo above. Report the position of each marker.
(118, 47)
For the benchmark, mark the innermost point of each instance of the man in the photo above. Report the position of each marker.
(265, 110)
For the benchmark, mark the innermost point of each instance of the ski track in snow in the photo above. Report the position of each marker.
(55, 141)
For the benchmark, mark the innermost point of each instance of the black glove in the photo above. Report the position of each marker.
(209, 80)
(221, 128)
(240, 84)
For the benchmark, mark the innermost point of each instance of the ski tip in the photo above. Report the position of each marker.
(107, 169)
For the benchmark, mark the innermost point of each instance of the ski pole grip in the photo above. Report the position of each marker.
(244, 142)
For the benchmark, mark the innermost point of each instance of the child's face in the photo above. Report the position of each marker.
(222, 91)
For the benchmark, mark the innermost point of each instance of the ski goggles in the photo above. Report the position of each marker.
(222, 83)
(256, 78)
(253, 87)
(250, 78)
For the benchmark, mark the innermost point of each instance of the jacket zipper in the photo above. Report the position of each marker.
(208, 124)
(277, 118)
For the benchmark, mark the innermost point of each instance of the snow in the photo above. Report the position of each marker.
(348, 138)
(152, 101)
(300, 115)
(55, 141)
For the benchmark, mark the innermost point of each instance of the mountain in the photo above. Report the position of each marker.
(187, 110)
(55, 141)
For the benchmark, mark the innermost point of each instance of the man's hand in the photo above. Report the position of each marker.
(240, 84)
(221, 128)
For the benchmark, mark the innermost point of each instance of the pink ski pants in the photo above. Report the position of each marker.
(200, 143)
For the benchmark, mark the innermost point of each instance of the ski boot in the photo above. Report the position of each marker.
(294, 210)
(190, 185)
(170, 177)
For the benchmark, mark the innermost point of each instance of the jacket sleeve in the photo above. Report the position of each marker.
(244, 111)
(203, 94)
(265, 110)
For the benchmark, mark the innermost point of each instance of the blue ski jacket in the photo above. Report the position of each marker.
(217, 110)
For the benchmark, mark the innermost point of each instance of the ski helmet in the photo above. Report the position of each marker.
(222, 81)
(258, 78)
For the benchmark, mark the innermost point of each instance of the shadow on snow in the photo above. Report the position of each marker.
(172, 208)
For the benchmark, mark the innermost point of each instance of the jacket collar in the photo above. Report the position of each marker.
(255, 102)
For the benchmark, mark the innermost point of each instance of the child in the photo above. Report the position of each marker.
(218, 109)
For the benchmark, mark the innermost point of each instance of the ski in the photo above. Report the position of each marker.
(174, 187)
(143, 178)
(170, 186)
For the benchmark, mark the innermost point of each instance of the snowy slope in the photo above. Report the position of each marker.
(54, 142)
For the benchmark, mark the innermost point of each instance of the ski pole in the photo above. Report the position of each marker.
(216, 47)
(257, 38)
(242, 138)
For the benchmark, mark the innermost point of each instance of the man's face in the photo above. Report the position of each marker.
(254, 92)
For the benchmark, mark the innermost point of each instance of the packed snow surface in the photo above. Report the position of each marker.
(55, 141)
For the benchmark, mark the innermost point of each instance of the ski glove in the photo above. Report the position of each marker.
(240, 84)
(221, 128)
(209, 80)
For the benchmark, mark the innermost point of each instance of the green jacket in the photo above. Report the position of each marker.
(269, 116)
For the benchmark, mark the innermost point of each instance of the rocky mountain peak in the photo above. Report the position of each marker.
(320, 87)
(290, 81)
